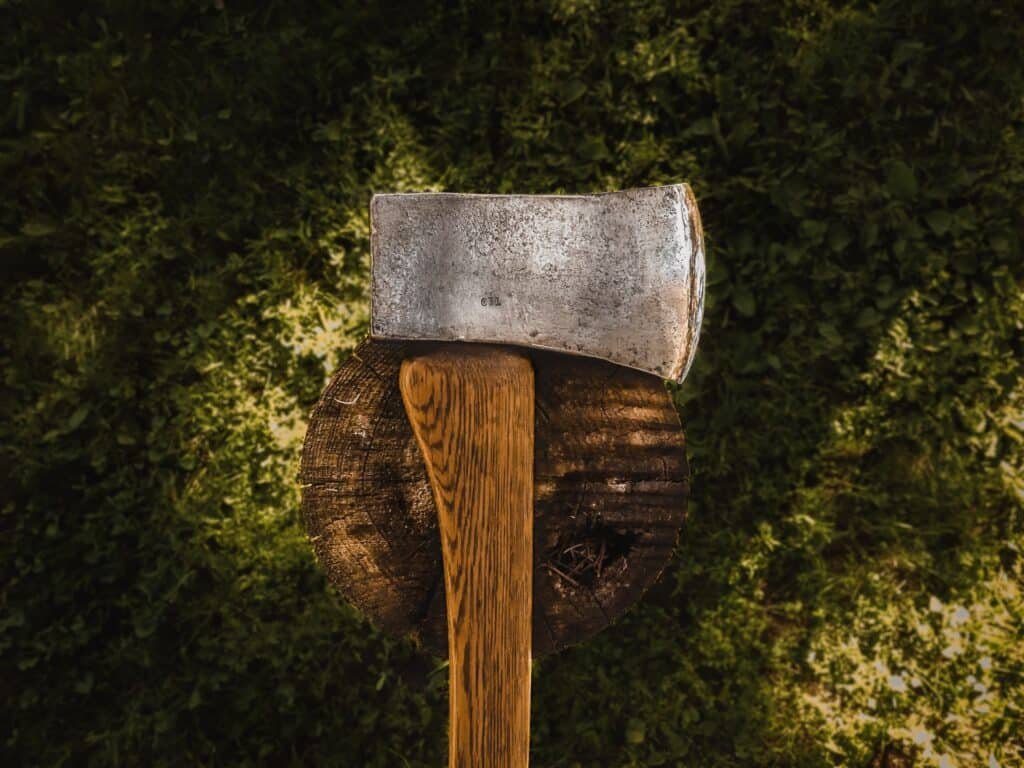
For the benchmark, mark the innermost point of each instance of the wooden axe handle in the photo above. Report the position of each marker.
(471, 409)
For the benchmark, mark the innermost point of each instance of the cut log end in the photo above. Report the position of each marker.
(610, 489)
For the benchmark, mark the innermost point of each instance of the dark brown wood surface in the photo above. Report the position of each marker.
(610, 488)
(471, 410)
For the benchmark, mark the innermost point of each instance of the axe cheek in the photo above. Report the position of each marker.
(617, 276)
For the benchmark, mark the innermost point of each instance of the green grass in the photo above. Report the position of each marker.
(184, 239)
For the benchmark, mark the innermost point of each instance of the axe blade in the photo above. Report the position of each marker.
(617, 276)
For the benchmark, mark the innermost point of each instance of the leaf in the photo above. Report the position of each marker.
(78, 417)
(905, 51)
(717, 272)
(901, 181)
(795, 254)
(572, 90)
(867, 317)
(636, 731)
(830, 334)
(40, 227)
(593, 148)
(702, 127)
(84, 685)
(332, 131)
(938, 221)
(839, 237)
(869, 233)
(999, 243)
(744, 301)
(739, 135)
(813, 231)
(965, 263)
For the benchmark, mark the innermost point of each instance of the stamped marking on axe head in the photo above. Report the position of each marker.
(617, 276)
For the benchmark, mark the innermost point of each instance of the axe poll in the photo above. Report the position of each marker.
(488, 278)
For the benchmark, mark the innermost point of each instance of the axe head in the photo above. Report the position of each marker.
(617, 276)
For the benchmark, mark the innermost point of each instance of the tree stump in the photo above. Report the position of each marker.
(610, 489)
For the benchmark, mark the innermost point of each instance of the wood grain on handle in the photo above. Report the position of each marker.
(471, 409)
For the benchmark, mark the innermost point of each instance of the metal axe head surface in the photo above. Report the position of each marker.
(617, 276)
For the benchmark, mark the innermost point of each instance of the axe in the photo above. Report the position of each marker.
(475, 289)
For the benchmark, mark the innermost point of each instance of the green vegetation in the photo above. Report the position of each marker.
(184, 248)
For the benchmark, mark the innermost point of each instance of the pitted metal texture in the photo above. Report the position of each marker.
(617, 276)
